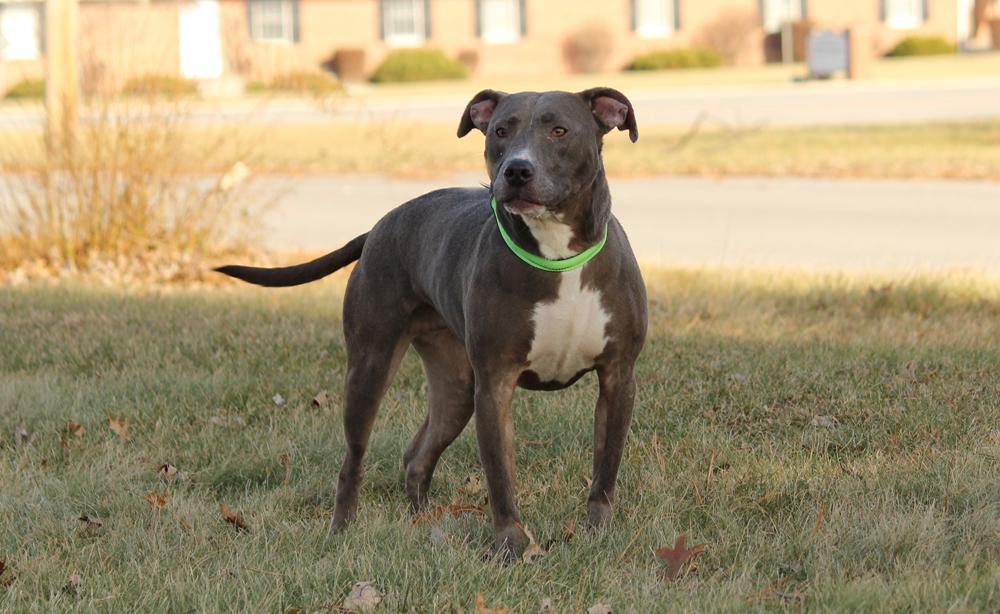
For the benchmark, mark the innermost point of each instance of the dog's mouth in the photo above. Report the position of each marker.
(524, 207)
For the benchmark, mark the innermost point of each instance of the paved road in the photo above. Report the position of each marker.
(810, 103)
(774, 223)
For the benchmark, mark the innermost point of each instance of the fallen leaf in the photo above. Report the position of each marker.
(278, 400)
(168, 473)
(91, 523)
(820, 514)
(455, 508)
(71, 584)
(482, 609)
(678, 558)
(6, 579)
(599, 608)
(120, 428)
(321, 400)
(825, 422)
(233, 518)
(532, 551)
(569, 530)
(21, 437)
(74, 428)
(156, 500)
(472, 486)
(227, 421)
(363, 598)
(438, 536)
(286, 463)
(547, 607)
(994, 435)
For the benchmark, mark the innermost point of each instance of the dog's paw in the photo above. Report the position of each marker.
(598, 514)
(509, 545)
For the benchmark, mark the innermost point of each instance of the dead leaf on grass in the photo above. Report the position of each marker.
(90, 524)
(472, 486)
(156, 500)
(119, 428)
(363, 598)
(678, 559)
(6, 579)
(72, 584)
(438, 536)
(321, 400)
(533, 550)
(21, 437)
(455, 508)
(825, 422)
(482, 609)
(599, 608)
(227, 421)
(168, 473)
(74, 428)
(233, 518)
(569, 530)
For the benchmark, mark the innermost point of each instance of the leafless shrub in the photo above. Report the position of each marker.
(729, 34)
(587, 50)
(134, 186)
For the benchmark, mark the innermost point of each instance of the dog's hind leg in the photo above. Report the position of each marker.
(376, 342)
(450, 396)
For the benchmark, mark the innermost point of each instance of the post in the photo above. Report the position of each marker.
(786, 34)
(61, 65)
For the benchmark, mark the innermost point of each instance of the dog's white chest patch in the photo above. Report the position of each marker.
(569, 331)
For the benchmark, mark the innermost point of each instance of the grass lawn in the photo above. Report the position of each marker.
(834, 441)
(955, 150)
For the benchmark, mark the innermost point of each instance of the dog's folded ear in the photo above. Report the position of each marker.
(479, 111)
(611, 110)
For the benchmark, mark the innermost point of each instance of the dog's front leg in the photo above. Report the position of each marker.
(611, 422)
(495, 433)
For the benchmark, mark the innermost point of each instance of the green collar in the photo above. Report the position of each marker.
(555, 266)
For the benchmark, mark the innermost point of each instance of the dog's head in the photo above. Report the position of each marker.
(544, 148)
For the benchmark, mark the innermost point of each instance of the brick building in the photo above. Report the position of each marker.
(256, 39)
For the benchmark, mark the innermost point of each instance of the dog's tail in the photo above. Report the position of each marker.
(299, 273)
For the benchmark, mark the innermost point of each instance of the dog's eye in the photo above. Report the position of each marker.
(558, 131)
(501, 131)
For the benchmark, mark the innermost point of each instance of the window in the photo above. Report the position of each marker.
(776, 13)
(20, 31)
(903, 14)
(500, 21)
(274, 20)
(405, 22)
(655, 18)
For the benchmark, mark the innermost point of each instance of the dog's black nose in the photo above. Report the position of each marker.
(518, 172)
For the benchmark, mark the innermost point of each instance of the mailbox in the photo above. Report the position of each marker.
(826, 53)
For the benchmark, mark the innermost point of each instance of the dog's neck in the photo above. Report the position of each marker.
(578, 224)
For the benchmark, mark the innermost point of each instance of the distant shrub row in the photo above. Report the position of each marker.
(26, 88)
(921, 45)
(418, 65)
(669, 59)
(300, 82)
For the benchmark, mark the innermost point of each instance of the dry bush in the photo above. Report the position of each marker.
(587, 50)
(729, 34)
(128, 190)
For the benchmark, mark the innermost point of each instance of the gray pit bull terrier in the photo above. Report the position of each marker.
(442, 273)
